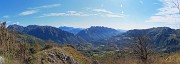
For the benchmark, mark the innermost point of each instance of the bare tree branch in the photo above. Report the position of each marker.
(177, 4)
(141, 47)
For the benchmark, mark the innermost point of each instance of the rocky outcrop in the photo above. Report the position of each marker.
(58, 58)
(1, 60)
(64, 55)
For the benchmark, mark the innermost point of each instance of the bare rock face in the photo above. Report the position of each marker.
(1, 60)
(59, 58)
(70, 60)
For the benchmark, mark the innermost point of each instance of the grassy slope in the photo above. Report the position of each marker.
(173, 58)
(77, 55)
(29, 39)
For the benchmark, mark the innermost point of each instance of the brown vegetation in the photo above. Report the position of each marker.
(126, 58)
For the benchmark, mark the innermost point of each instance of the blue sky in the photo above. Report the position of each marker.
(119, 14)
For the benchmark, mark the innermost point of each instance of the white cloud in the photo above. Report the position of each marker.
(169, 13)
(34, 10)
(6, 16)
(53, 14)
(109, 14)
(102, 11)
(113, 16)
(47, 6)
(17, 23)
(68, 13)
(166, 19)
(93, 12)
(29, 12)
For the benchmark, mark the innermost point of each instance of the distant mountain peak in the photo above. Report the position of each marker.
(71, 29)
(95, 33)
(16, 27)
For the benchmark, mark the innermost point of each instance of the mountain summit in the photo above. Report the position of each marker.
(95, 33)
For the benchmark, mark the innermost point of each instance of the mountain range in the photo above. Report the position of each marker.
(48, 33)
(163, 38)
(71, 29)
(95, 33)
